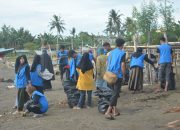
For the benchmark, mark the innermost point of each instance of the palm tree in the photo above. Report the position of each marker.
(114, 23)
(73, 32)
(58, 24)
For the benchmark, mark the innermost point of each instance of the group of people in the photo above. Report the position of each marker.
(114, 61)
(30, 84)
(81, 71)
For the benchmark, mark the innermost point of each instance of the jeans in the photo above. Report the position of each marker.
(101, 84)
(82, 98)
(116, 90)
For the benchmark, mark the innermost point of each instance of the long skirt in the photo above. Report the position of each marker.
(136, 79)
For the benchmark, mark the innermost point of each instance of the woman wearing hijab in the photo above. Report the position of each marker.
(136, 70)
(46, 63)
(85, 81)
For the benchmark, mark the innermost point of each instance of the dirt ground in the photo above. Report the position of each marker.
(143, 111)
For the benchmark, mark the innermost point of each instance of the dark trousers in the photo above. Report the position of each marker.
(83, 98)
(116, 90)
(22, 98)
(61, 69)
(47, 84)
(39, 89)
(34, 109)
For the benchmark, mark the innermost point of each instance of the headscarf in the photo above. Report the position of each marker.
(85, 63)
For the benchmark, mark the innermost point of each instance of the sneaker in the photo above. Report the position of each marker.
(76, 108)
(88, 107)
(37, 115)
(17, 112)
(14, 107)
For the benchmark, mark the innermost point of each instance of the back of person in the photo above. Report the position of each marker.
(165, 51)
(63, 55)
(137, 61)
(101, 65)
(114, 62)
(42, 101)
(36, 79)
(85, 80)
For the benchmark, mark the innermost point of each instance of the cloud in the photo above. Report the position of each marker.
(84, 15)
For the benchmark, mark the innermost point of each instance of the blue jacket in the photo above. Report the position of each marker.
(42, 101)
(137, 61)
(63, 57)
(165, 51)
(72, 65)
(73, 62)
(20, 78)
(36, 80)
(91, 57)
(114, 62)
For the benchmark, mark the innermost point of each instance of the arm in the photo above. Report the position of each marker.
(39, 70)
(148, 60)
(123, 65)
(27, 73)
(36, 101)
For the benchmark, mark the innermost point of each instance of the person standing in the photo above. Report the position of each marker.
(85, 81)
(46, 63)
(101, 69)
(165, 60)
(116, 65)
(36, 71)
(136, 70)
(22, 79)
(74, 60)
(62, 59)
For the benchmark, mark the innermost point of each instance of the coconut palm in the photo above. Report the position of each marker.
(58, 24)
(114, 23)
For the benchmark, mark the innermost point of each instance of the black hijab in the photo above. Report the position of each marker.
(85, 63)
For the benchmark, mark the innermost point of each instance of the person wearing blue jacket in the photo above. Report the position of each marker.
(62, 56)
(38, 103)
(74, 60)
(165, 60)
(22, 79)
(136, 70)
(116, 65)
(36, 70)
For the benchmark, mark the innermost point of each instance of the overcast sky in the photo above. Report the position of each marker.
(84, 15)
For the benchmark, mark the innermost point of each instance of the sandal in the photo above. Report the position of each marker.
(109, 116)
(117, 114)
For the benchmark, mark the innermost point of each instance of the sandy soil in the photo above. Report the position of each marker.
(138, 111)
